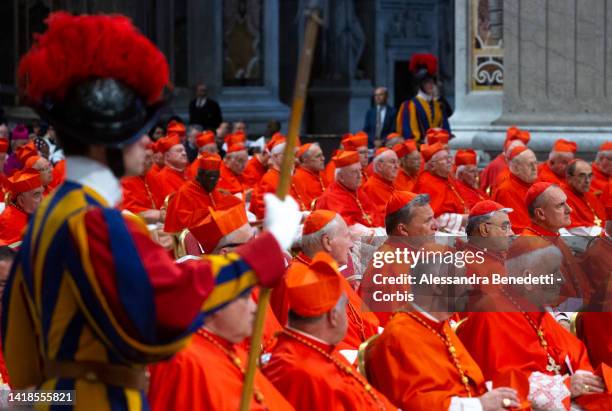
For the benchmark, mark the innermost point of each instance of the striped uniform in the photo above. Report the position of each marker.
(417, 115)
(90, 285)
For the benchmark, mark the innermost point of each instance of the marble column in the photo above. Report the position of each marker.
(558, 65)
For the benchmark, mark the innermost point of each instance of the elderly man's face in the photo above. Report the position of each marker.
(411, 163)
(604, 162)
(440, 164)
(201, 91)
(30, 200)
(177, 157)
(340, 243)
(525, 167)
(236, 319)
(388, 166)
(46, 170)
(363, 156)
(555, 212)
(313, 159)
(422, 225)
(469, 175)
(580, 181)
(236, 161)
(559, 161)
(350, 176)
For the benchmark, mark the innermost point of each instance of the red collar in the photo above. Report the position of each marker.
(541, 231)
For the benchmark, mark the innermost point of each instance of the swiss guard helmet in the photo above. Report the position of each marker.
(423, 67)
(95, 78)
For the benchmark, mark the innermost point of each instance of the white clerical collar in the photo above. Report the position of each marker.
(312, 337)
(424, 96)
(425, 313)
(95, 175)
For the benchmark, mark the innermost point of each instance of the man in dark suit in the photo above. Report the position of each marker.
(380, 119)
(204, 110)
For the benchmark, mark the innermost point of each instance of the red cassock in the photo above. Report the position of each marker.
(268, 184)
(362, 324)
(229, 181)
(306, 187)
(190, 205)
(600, 180)
(546, 174)
(587, 210)
(203, 377)
(253, 172)
(404, 182)
(443, 192)
(192, 169)
(577, 283)
(155, 169)
(488, 176)
(311, 381)
(511, 193)
(329, 172)
(594, 331)
(354, 207)
(12, 223)
(379, 191)
(138, 193)
(59, 174)
(470, 195)
(412, 366)
(2, 187)
(168, 182)
(517, 346)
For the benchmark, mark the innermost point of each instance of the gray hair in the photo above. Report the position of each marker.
(230, 238)
(311, 243)
(474, 222)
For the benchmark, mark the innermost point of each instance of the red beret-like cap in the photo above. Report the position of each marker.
(515, 133)
(345, 158)
(516, 151)
(391, 136)
(209, 161)
(353, 142)
(486, 207)
(317, 220)
(237, 137)
(401, 150)
(398, 200)
(411, 146)
(381, 150)
(23, 181)
(277, 138)
(217, 225)
(26, 151)
(166, 143)
(316, 289)
(4, 145)
(465, 157)
(435, 135)
(535, 190)
(303, 149)
(565, 146)
(174, 127)
(205, 137)
(232, 148)
(428, 150)
(607, 146)
(31, 161)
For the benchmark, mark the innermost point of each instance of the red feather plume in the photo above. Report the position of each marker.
(77, 48)
(424, 60)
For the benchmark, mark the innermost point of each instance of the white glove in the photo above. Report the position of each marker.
(282, 219)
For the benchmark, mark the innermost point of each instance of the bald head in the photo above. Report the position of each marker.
(525, 166)
(558, 161)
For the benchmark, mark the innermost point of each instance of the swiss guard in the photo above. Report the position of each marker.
(425, 110)
(91, 298)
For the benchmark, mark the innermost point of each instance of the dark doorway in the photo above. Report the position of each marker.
(404, 86)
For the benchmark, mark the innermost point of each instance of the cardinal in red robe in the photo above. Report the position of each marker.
(553, 170)
(230, 177)
(304, 365)
(308, 182)
(196, 197)
(25, 194)
(490, 175)
(467, 177)
(172, 176)
(345, 196)
(602, 168)
(205, 141)
(411, 164)
(269, 182)
(379, 188)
